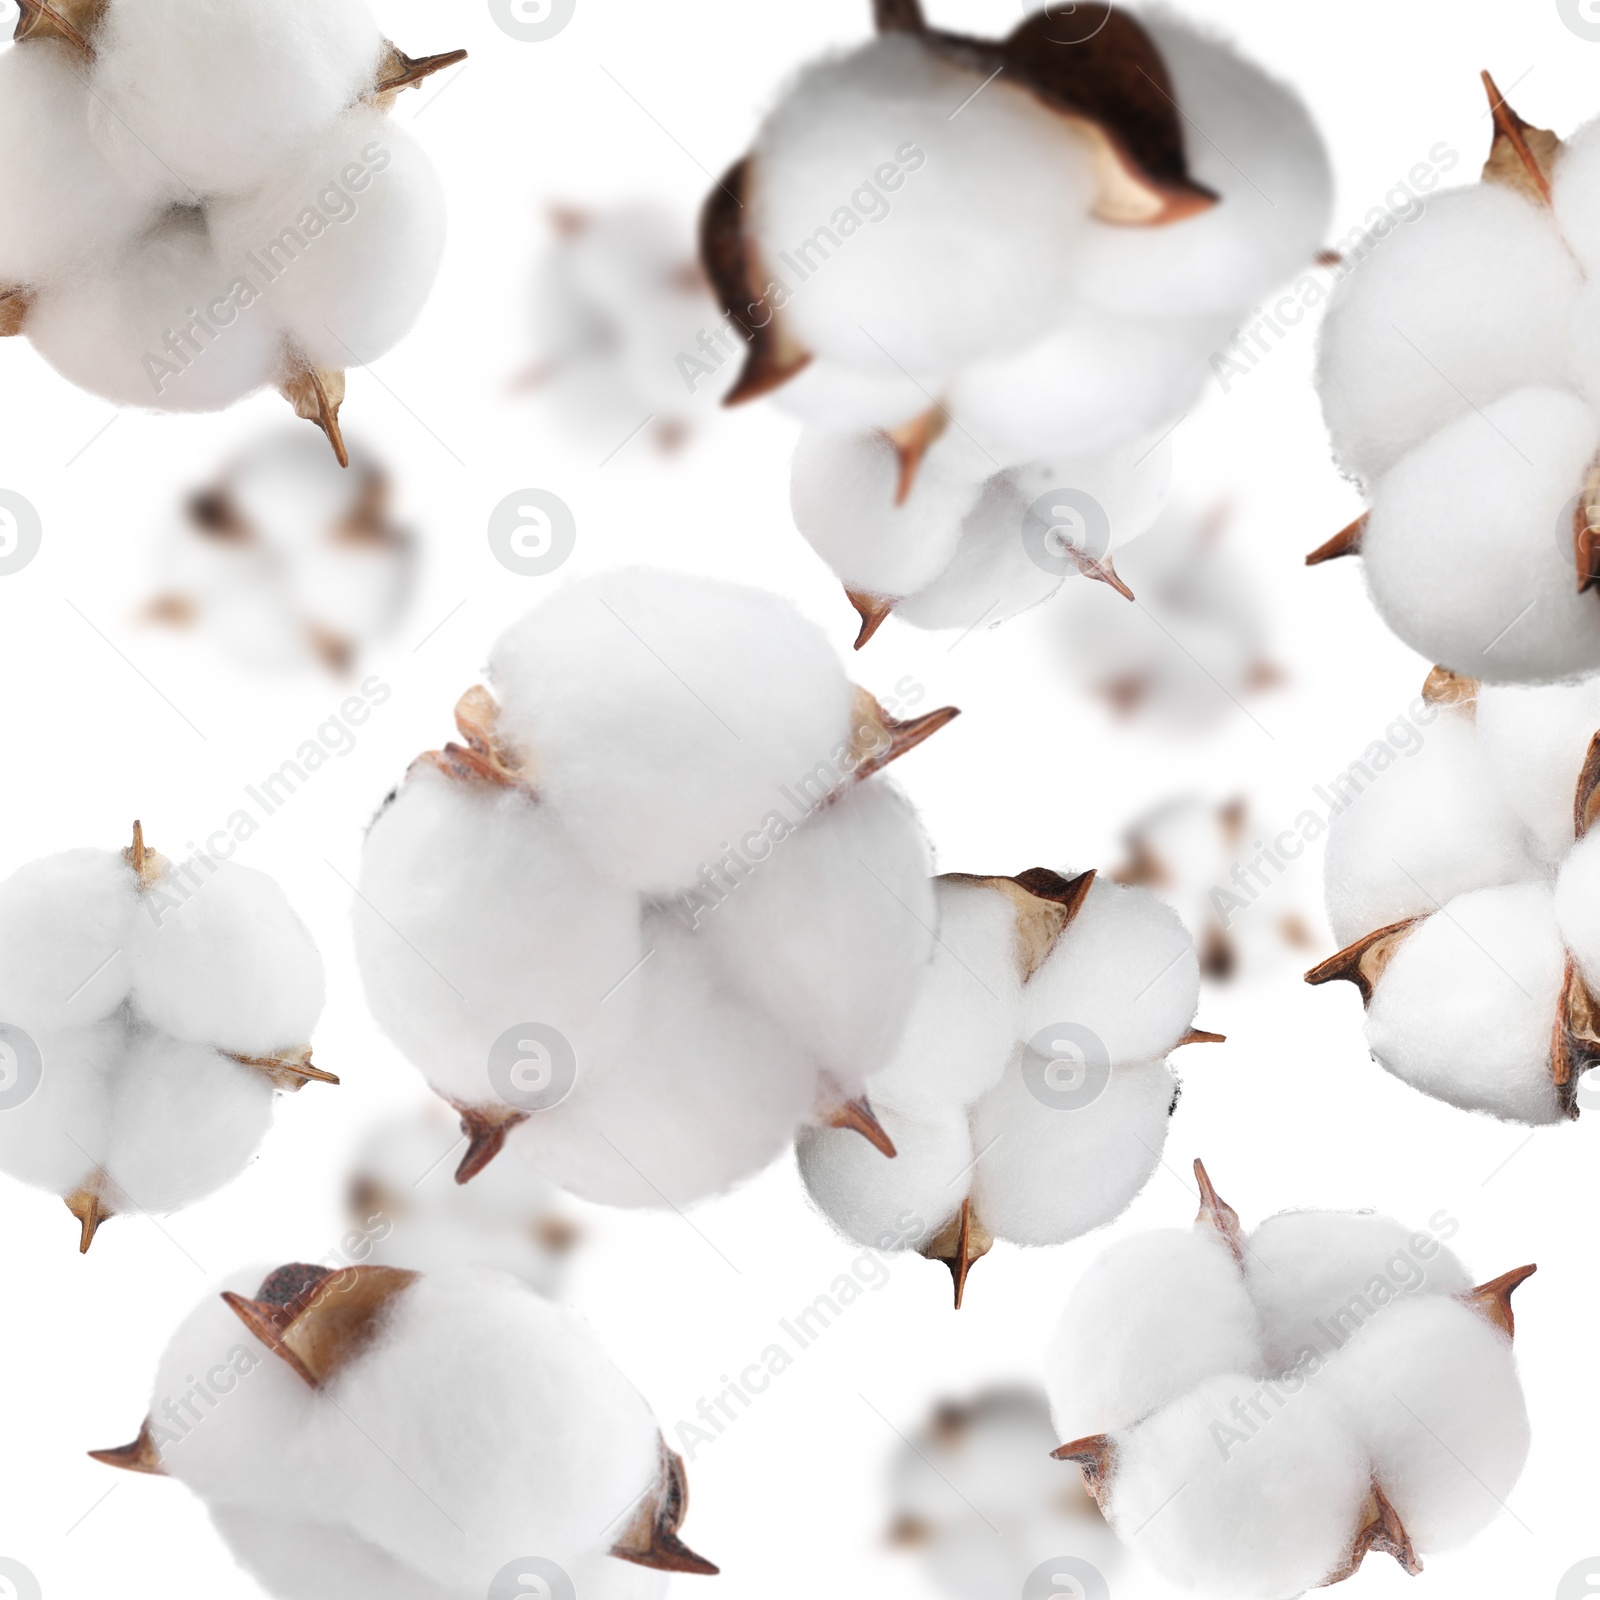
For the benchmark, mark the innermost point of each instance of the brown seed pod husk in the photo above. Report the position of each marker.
(1382, 1532)
(1586, 798)
(1218, 1215)
(316, 1319)
(874, 610)
(1363, 962)
(1575, 1038)
(484, 758)
(148, 865)
(89, 1206)
(1522, 156)
(143, 1455)
(397, 71)
(316, 394)
(899, 16)
(1346, 542)
(289, 1070)
(1045, 903)
(1492, 1300)
(877, 738)
(72, 21)
(1096, 1457)
(15, 304)
(651, 1538)
(486, 1128)
(858, 1116)
(1442, 687)
(962, 1242)
(912, 441)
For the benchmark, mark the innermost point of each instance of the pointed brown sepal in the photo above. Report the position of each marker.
(1575, 1038)
(1045, 905)
(651, 1539)
(317, 394)
(962, 1242)
(1383, 1532)
(1492, 1301)
(90, 1208)
(740, 282)
(15, 304)
(899, 16)
(316, 1319)
(483, 758)
(879, 738)
(857, 1115)
(1363, 962)
(1095, 1457)
(72, 21)
(397, 70)
(1346, 542)
(912, 441)
(1217, 1214)
(1586, 530)
(290, 1070)
(148, 865)
(486, 1128)
(1586, 798)
(1114, 88)
(1200, 1036)
(1442, 687)
(1522, 156)
(874, 610)
(1101, 569)
(143, 1455)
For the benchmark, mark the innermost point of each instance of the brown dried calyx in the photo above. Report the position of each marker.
(1380, 1529)
(1113, 88)
(651, 1538)
(315, 392)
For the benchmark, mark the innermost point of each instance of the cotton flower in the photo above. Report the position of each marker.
(1003, 264)
(659, 908)
(371, 1432)
(1455, 374)
(285, 560)
(1029, 1097)
(977, 1497)
(148, 1014)
(1465, 888)
(1185, 850)
(1257, 1413)
(212, 200)
(627, 326)
(402, 1198)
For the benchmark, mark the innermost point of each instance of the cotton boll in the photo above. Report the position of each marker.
(663, 713)
(536, 1444)
(1428, 827)
(1157, 1314)
(706, 1093)
(220, 957)
(353, 232)
(1578, 907)
(1250, 140)
(211, 102)
(1431, 1390)
(57, 1138)
(502, 929)
(1465, 548)
(1575, 193)
(897, 1204)
(997, 199)
(1096, 383)
(1049, 1172)
(66, 925)
(1453, 308)
(839, 397)
(1465, 1008)
(63, 201)
(1125, 970)
(842, 493)
(1271, 1512)
(1534, 742)
(185, 1120)
(155, 326)
(1319, 1277)
(963, 1025)
(830, 929)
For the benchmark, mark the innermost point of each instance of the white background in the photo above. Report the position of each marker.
(102, 720)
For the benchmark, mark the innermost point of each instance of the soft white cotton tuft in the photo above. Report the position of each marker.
(1535, 741)
(1578, 907)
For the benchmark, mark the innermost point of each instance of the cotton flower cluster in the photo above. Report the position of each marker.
(1029, 1097)
(976, 1495)
(1185, 850)
(403, 1200)
(625, 322)
(375, 1434)
(1256, 1414)
(211, 199)
(148, 1014)
(1457, 375)
(285, 560)
(988, 275)
(1466, 889)
(659, 908)
(1198, 646)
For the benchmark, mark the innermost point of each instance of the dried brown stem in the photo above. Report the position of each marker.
(1200, 1036)
(1363, 962)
